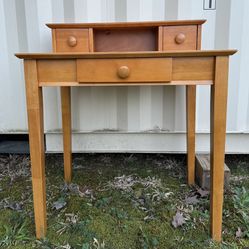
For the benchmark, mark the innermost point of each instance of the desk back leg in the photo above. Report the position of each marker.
(36, 144)
(66, 127)
(218, 135)
(191, 109)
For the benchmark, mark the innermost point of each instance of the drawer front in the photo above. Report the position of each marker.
(180, 37)
(72, 40)
(124, 70)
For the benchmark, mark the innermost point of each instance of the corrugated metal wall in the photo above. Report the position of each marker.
(127, 118)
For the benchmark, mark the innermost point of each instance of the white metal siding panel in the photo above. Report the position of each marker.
(125, 111)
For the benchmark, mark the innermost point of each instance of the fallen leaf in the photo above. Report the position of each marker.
(61, 203)
(178, 220)
(203, 193)
(85, 191)
(16, 206)
(192, 200)
(239, 233)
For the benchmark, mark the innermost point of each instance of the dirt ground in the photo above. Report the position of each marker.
(120, 201)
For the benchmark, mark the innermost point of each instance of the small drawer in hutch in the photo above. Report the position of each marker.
(72, 40)
(180, 37)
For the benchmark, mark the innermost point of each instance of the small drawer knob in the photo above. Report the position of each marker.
(123, 72)
(72, 41)
(180, 38)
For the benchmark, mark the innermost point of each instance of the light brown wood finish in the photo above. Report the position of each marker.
(68, 40)
(124, 24)
(114, 55)
(56, 70)
(199, 28)
(191, 120)
(36, 144)
(218, 135)
(193, 68)
(140, 70)
(91, 44)
(54, 39)
(66, 125)
(66, 70)
(65, 38)
(190, 116)
(128, 39)
(213, 66)
(179, 37)
(171, 83)
(160, 38)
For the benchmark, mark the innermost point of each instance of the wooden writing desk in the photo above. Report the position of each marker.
(101, 68)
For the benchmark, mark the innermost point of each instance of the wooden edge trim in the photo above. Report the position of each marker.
(160, 38)
(198, 40)
(90, 39)
(112, 55)
(54, 40)
(124, 24)
(172, 83)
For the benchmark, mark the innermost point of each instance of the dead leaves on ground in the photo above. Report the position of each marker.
(178, 220)
(186, 207)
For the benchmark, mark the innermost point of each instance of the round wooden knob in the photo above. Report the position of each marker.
(123, 72)
(180, 38)
(72, 41)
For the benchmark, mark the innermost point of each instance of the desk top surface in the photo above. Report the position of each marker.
(102, 55)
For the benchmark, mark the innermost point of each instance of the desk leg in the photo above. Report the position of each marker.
(218, 135)
(191, 106)
(66, 127)
(36, 144)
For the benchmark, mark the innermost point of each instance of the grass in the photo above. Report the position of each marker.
(120, 201)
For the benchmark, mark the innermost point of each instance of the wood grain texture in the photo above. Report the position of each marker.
(141, 70)
(172, 83)
(105, 70)
(124, 24)
(112, 55)
(82, 38)
(66, 127)
(191, 120)
(56, 70)
(54, 40)
(36, 143)
(126, 40)
(203, 171)
(170, 33)
(218, 135)
(91, 43)
(193, 68)
(191, 110)
(160, 38)
(66, 115)
(199, 28)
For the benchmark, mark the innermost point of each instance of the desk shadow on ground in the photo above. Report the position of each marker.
(120, 201)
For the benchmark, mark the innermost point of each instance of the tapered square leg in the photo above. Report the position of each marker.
(218, 134)
(66, 127)
(191, 109)
(36, 144)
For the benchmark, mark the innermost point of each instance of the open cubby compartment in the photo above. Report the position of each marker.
(125, 39)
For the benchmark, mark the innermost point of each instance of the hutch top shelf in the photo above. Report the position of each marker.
(126, 36)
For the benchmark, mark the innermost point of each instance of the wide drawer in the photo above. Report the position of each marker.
(124, 70)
